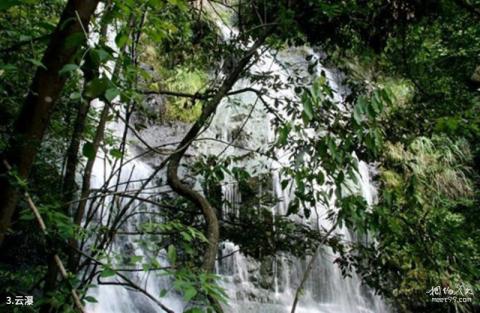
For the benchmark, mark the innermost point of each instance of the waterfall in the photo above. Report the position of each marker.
(326, 290)
(266, 286)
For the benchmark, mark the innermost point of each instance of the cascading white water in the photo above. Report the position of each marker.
(326, 290)
(250, 287)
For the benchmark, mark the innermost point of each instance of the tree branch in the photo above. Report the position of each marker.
(309, 268)
(129, 282)
(172, 175)
(194, 96)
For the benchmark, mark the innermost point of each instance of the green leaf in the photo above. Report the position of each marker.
(121, 40)
(293, 207)
(283, 134)
(219, 173)
(37, 63)
(163, 293)
(111, 93)
(308, 108)
(8, 67)
(362, 104)
(68, 68)
(186, 236)
(358, 114)
(135, 259)
(116, 153)
(90, 299)
(189, 293)
(88, 150)
(100, 55)
(376, 103)
(24, 38)
(387, 96)
(97, 87)
(107, 272)
(320, 178)
(26, 216)
(181, 4)
(75, 95)
(47, 25)
(172, 254)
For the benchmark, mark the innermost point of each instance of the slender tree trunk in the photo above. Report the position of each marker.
(87, 174)
(209, 213)
(310, 264)
(72, 263)
(90, 71)
(44, 91)
(73, 259)
(72, 154)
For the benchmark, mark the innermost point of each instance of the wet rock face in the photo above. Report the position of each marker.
(153, 109)
(156, 106)
(266, 280)
(164, 137)
(168, 135)
(129, 251)
(263, 283)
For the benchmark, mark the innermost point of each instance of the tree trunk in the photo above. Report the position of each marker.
(73, 258)
(209, 213)
(44, 91)
(72, 154)
(72, 263)
(90, 72)
(87, 174)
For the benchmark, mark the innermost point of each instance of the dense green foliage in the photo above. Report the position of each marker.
(413, 72)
